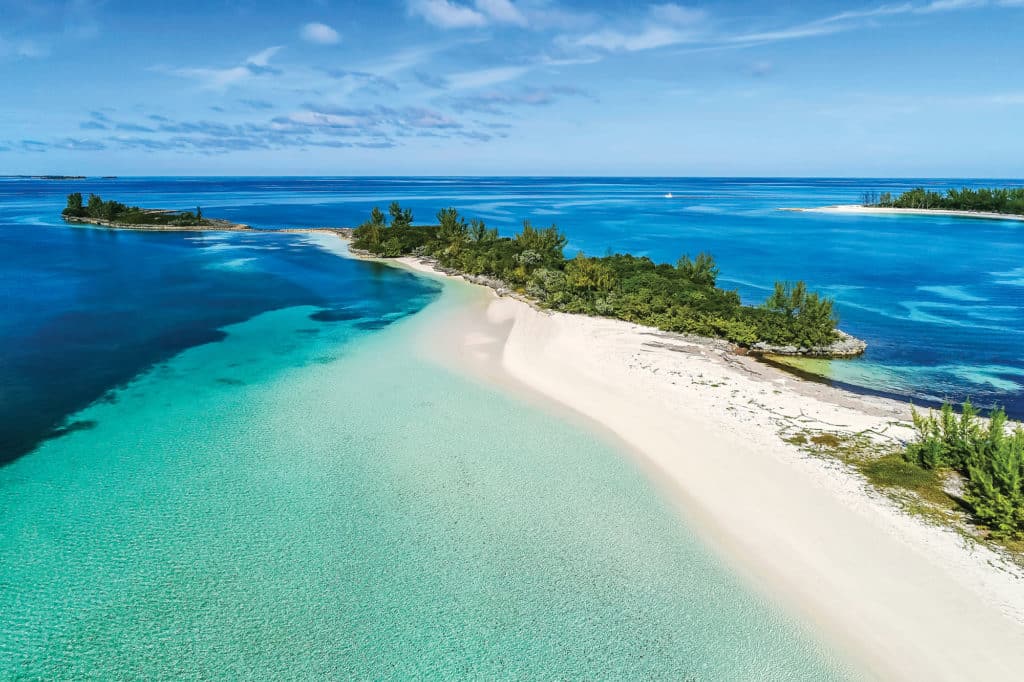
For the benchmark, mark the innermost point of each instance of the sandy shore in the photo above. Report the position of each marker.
(905, 599)
(877, 210)
(213, 225)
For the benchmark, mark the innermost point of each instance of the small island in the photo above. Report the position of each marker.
(111, 213)
(681, 298)
(1005, 203)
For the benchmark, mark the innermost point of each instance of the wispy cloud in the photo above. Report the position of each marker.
(502, 11)
(362, 80)
(447, 14)
(65, 143)
(218, 79)
(500, 102)
(665, 25)
(431, 80)
(321, 34)
(258, 104)
(22, 48)
(450, 14)
(482, 78)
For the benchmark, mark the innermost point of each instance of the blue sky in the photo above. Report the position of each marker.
(448, 87)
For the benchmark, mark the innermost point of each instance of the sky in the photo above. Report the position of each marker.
(923, 88)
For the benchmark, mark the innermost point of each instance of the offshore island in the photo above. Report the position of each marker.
(111, 213)
(990, 204)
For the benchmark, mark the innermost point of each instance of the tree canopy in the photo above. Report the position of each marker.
(116, 212)
(680, 298)
(1001, 200)
(989, 456)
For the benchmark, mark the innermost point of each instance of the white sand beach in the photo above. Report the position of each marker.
(905, 599)
(879, 210)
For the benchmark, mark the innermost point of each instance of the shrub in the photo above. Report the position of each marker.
(989, 456)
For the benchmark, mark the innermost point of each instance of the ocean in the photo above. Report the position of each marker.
(222, 455)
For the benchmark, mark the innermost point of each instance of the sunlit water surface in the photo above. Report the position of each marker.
(222, 456)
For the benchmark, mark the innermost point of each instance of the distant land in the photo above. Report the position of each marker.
(56, 177)
(1005, 203)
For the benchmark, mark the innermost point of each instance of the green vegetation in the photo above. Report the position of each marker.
(1004, 200)
(679, 298)
(117, 212)
(989, 457)
(959, 470)
(920, 491)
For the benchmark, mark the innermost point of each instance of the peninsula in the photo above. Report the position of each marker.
(829, 498)
(681, 298)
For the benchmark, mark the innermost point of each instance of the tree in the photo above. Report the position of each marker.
(989, 456)
(199, 214)
(95, 206)
(377, 217)
(801, 318)
(702, 271)
(588, 276)
(479, 234)
(547, 242)
(74, 207)
(452, 233)
(399, 217)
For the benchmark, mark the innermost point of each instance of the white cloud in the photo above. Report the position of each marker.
(323, 34)
(262, 58)
(672, 24)
(314, 118)
(484, 77)
(219, 79)
(666, 24)
(677, 15)
(949, 5)
(502, 10)
(447, 14)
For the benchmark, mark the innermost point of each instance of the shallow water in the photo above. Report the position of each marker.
(222, 456)
(311, 499)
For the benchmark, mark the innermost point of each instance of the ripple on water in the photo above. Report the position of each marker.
(371, 517)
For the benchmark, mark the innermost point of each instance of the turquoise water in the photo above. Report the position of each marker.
(221, 456)
(309, 498)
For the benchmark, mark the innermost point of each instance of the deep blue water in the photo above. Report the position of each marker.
(82, 310)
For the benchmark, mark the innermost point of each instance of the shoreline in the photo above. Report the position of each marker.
(855, 209)
(906, 599)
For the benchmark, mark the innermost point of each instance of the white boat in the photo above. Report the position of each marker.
(669, 195)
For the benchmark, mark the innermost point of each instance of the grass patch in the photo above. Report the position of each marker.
(918, 490)
(829, 441)
(893, 471)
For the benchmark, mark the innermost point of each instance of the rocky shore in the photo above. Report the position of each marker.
(846, 346)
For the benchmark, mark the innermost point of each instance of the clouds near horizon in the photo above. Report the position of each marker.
(523, 77)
